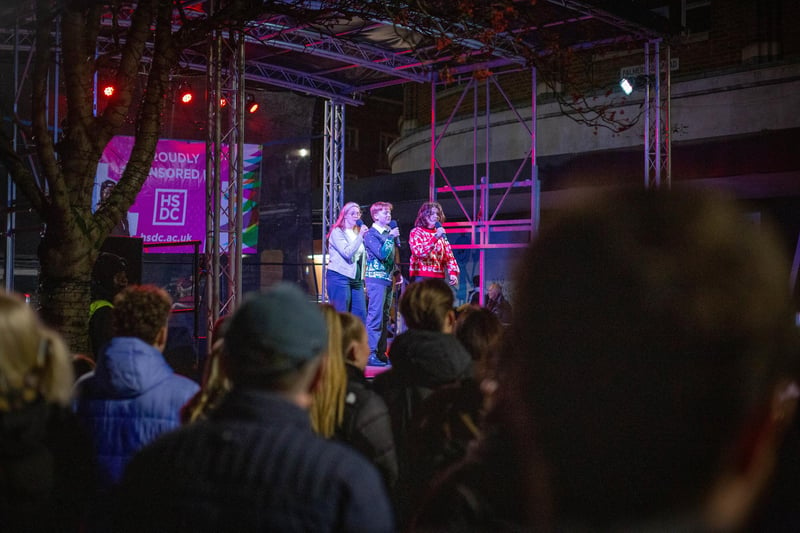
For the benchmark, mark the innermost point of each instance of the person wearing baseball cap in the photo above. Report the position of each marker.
(255, 464)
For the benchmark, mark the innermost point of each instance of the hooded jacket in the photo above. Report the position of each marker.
(131, 398)
(422, 361)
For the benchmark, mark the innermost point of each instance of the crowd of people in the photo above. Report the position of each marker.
(647, 381)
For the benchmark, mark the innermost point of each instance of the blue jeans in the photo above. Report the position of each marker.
(346, 294)
(379, 298)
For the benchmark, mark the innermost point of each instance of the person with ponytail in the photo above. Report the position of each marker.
(47, 470)
(327, 406)
(366, 425)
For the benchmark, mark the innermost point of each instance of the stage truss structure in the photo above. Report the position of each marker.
(228, 69)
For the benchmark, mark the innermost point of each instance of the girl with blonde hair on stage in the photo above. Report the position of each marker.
(344, 276)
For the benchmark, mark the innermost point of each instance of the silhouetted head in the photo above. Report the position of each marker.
(428, 305)
(273, 335)
(141, 311)
(650, 333)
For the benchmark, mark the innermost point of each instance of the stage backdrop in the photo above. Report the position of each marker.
(171, 207)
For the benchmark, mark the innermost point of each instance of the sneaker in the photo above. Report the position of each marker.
(375, 361)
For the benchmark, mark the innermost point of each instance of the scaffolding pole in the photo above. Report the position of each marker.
(657, 135)
(332, 176)
(482, 214)
(224, 173)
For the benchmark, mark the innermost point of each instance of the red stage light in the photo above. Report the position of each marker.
(186, 96)
(223, 102)
(108, 90)
(252, 105)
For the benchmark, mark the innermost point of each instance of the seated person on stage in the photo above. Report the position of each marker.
(496, 303)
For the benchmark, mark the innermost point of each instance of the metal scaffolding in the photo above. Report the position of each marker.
(224, 147)
(657, 135)
(332, 176)
(482, 221)
(344, 65)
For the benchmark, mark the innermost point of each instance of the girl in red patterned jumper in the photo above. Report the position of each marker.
(431, 255)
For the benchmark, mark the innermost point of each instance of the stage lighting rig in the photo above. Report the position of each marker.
(634, 83)
(251, 105)
(185, 93)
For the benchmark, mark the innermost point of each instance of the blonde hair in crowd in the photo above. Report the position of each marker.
(216, 383)
(34, 360)
(327, 407)
(425, 304)
(352, 330)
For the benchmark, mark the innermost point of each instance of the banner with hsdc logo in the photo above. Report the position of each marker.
(171, 206)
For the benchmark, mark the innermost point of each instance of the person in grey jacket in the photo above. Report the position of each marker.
(344, 276)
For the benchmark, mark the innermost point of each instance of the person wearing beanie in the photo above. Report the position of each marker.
(255, 463)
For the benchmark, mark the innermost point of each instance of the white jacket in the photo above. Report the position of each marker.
(346, 252)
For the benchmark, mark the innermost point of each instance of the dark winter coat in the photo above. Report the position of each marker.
(366, 425)
(47, 470)
(422, 362)
(254, 465)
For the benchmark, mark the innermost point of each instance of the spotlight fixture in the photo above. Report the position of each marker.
(634, 83)
(185, 94)
(251, 105)
(223, 102)
(108, 90)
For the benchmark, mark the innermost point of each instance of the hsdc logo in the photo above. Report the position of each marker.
(170, 207)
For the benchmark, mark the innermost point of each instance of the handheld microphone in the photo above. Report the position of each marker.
(438, 226)
(359, 222)
(393, 225)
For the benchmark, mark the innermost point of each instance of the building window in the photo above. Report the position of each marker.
(697, 16)
(694, 15)
(384, 140)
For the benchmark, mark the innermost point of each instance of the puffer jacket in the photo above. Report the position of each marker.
(131, 398)
(366, 425)
(422, 361)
